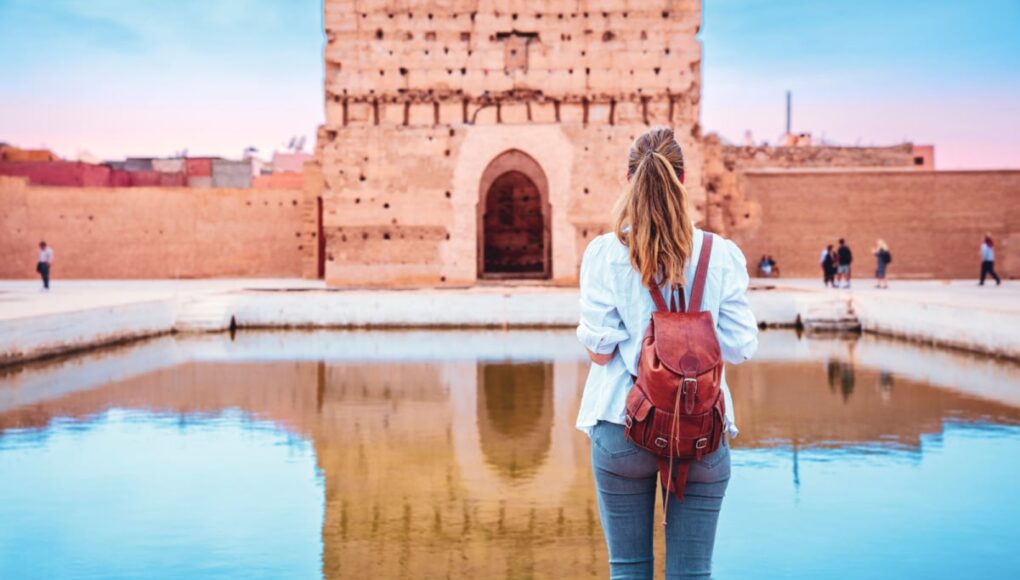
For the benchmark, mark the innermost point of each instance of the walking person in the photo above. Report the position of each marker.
(882, 260)
(828, 262)
(988, 261)
(44, 264)
(653, 255)
(846, 257)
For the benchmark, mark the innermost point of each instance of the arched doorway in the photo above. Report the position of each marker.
(513, 219)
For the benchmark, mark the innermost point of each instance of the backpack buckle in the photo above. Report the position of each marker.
(689, 380)
(701, 443)
(661, 442)
(628, 421)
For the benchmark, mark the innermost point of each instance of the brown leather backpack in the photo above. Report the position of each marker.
(676, 408)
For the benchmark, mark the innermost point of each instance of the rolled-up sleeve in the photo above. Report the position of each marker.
(738, 329)
(600, 328)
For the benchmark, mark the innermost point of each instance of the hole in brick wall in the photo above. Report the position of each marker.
(452, 132)
(386, 236)
(403, 71)
(513, 16)
(430, 35)
(492, 38)
(390, 15)
(665, 13)
(465, 36)
(587, 70)
(442, 278)
(666, 50)
(584, 53)
(538, 16)
(430, 16)
(605, 15)
(473, 14)
(570, 70)
(364, 236)
(747, 216)
(408, 36)
(584, 233)
(382, 73)
(343, 238)
(357, 200)
(607, 36)
(560, 16)
(447, 236)
(293, 202)
(585, 14)
(364, 15)
(448, 195)
(446, 153)
(426, 52)
(386, 206)
(410, 14)
(624, 14)
(446, 50)
(644, 35)
(378, 34)
(362, 178)
(463, 71)
(656, 69)
(586, 191)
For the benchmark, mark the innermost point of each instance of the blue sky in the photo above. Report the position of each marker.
(119, 77)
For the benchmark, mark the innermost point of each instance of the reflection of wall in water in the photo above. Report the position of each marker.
(515, 415)
(837, 403)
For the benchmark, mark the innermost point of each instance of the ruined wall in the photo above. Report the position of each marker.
(151, 232)
(933, 221)
(422, 96)
(728, 210)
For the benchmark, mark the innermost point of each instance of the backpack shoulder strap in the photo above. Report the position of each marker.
(660, 302)
(698, 288)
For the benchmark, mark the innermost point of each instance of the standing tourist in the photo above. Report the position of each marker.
(44, 264)
(656, 254)
(843, 268)
(828, 262)
(882, 259)
(764, 267)
(988, 261)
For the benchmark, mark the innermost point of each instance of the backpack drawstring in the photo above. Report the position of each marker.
(673, 449)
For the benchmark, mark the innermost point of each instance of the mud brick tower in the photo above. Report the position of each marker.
(468, 141)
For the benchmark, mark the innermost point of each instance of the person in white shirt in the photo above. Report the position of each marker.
(988, 261)
(654, 238)
(44, 264)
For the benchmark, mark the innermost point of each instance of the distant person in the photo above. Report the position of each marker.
(988, 261)
(846, 257)
(882, 259)
(764, 267)
(44, 264)
(773, 267)
(828, 262)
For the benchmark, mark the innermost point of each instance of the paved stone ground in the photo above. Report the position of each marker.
(78, 314)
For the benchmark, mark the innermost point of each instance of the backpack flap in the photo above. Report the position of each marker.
(685, 342)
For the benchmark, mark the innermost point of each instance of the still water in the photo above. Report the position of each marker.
(453, 454)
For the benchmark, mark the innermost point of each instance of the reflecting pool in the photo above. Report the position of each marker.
(453, 454)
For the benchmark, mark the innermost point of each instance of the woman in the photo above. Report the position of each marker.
(988, 260)
(828, 261)
(653, 242)
(882, 259)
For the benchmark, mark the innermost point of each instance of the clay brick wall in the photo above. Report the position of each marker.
(151, 232)
(421, 96)
(727, 209)
(933, 221)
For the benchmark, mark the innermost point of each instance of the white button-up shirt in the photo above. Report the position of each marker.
(616, 309)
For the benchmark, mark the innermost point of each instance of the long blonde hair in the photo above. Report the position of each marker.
(652, 216)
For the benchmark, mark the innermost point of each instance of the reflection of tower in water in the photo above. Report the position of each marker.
(515, 415)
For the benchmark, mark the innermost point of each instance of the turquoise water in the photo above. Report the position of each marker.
(413, 454)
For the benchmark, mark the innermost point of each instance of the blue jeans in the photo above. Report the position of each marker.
(626, 477)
